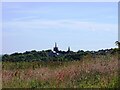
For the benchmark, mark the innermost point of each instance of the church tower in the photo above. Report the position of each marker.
(55, 48)
(68, 49)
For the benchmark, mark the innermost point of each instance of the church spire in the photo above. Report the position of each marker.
(68, 49)
(56, 48)
(55, 44)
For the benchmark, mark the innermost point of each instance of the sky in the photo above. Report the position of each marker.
(60, 0)
(38, 25)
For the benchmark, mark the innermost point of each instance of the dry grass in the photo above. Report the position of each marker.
(85, 73)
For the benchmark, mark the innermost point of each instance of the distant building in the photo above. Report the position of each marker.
(52, 54)
(59, 52)
(55, 49)
(68, 49)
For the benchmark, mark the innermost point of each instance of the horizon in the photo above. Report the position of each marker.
(58, 49)
(36, 26)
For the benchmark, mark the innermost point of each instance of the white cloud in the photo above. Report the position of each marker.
(64, 24)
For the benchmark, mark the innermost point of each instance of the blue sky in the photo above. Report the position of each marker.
(37, 26)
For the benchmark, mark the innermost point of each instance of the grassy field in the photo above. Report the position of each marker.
(98, 72)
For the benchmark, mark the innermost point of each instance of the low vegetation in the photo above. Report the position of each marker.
(88, 71)
(44, 69)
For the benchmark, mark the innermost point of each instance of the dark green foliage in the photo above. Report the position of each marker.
(49, 55)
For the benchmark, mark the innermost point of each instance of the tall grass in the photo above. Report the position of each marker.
(98, 72)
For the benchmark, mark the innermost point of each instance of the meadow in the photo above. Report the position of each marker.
(89, 72)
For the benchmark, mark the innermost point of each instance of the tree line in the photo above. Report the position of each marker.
(49, 55)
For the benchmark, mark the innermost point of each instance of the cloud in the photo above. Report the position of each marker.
(59, 24)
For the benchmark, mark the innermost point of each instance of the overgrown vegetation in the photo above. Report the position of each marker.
(48, 55)
(98, 70)
(82, 69)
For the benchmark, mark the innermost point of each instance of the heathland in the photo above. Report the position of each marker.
(44, 69)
